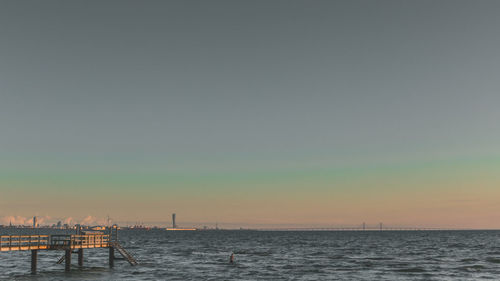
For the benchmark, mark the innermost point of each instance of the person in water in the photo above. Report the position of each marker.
(231, 258)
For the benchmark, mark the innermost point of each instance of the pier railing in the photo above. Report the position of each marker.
(53, 242)
(24, 242)
(79, 241)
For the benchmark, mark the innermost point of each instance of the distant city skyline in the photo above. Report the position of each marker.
(251, 112)
(91, 221)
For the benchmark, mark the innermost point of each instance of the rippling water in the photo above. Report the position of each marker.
(291, 255)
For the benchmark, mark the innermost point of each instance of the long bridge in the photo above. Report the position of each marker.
(69, 243)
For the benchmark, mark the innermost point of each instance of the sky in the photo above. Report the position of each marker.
(251, 113)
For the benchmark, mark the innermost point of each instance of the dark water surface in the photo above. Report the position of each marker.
(292, 255)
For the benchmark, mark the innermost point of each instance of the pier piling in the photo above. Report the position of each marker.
(67, 259)
(111, 257)
(80, 257)
(34, 254)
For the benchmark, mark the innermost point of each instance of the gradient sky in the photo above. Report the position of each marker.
(251, 112)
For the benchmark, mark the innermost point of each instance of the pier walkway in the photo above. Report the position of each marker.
(69, 243)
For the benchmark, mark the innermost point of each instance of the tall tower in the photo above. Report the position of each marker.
(173, 221)
(34, 222)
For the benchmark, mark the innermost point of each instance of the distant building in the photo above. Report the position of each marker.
(34, 222)
(173, 221)
(59, 224)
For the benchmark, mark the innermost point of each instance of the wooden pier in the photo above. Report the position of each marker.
(69, 243)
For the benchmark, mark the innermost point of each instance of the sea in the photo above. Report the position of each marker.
(278, 255)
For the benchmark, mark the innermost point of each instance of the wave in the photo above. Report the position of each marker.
(471, 268)
(411, 270)
(493, 260)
